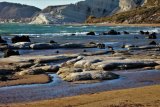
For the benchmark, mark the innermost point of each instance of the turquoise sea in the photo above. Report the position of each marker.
(76, 34)
(63, 33)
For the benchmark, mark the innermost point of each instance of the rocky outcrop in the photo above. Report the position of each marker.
(76, 13)
(97, 68)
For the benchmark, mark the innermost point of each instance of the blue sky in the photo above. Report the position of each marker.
(42, 3)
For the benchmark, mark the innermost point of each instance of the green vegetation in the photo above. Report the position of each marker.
(149, 13)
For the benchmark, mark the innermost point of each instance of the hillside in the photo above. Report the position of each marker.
(148, 13)
(16, 11)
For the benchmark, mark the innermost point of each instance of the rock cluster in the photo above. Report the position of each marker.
(91, 68)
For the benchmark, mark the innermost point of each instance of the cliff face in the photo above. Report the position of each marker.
(78, 13)
(16, 11)
(147, 11)
(49, 15)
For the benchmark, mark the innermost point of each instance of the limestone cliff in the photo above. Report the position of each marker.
(79, 12)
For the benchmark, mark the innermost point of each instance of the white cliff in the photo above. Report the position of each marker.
(79, 12)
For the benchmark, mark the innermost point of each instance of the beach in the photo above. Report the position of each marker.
(55, 64)
(136, 97)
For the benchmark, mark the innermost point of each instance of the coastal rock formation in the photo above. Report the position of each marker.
(82, 9)
(97, 68)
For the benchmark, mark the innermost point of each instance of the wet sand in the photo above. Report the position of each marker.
(136, 97)
(25, 80)
(59, 88)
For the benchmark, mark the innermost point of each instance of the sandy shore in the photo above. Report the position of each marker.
(121, 24)
(136, 97)
(26, 79)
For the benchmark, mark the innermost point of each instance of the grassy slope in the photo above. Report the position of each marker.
(137, 97)
(149, 13)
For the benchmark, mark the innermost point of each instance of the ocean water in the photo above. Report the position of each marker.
(64, 34)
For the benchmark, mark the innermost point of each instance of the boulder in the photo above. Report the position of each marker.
(91, 33)
(125, 32)
(52, 41)
(153, 43)
(20, 39)
(101, 46)
(152, 36)
(44, 46)
(77, 77)
(103, 75)
(113, 32)
(10, 52)
(89, 75)
(144, 33)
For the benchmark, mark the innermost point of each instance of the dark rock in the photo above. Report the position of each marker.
(113, 32)
(52, 41)
(110, 48)
(20, 39)
(144, 33)
(2, 41)
(152, 36)
(73, 34)
(91, 33)
(10, 52)
(57, 52)
(125, 32)
(153, 43)
(101, 46)
(84, 50)
(147, 33)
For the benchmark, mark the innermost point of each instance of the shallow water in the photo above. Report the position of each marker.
(59, 88)
(63, 34)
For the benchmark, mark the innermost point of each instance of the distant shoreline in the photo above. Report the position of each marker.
(113, 24)
(96, 24)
